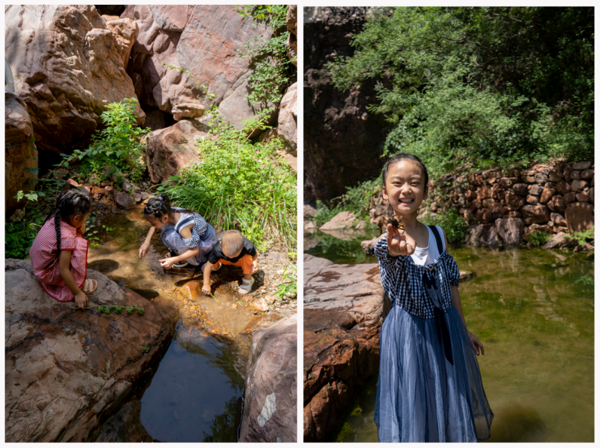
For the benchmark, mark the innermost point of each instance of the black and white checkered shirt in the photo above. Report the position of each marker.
(402, 280)
(199, 229)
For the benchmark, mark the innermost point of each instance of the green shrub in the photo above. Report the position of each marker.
(539, 238)
(116, 148)
(240, 184)
(455, 226)
(582, 238)
(356, 200)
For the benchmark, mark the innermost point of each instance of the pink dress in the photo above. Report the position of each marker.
(46, 265)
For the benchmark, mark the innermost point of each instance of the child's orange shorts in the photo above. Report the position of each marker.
(245, 263)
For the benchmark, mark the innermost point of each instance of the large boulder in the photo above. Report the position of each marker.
(67, 370)
(579, 216)
(270, 403)
(170, 149)
(68, 65)
(344, 308)
(287, 127)
(511, 230)
(343, 220)
(202, 42)
(20, 153)
(342, 140)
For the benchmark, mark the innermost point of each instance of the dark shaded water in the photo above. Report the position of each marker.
(196, 393)
(533, 310)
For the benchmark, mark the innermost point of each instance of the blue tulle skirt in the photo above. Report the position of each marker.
(421, 397)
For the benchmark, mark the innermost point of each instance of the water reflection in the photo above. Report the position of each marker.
(534, 312)
(185, 401)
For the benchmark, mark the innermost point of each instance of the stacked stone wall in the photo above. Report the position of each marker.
(504, 206)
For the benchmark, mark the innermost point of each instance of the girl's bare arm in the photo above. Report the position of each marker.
(64, 268)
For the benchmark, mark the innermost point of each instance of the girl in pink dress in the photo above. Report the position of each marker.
(59, 252)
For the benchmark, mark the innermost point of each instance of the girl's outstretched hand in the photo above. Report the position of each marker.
(144, 250)
(399, 244)
(476, 344)
(81, 300)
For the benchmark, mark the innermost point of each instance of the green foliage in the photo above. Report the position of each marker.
(115, 309)
(454, 226)
(582, 238)
(356, 200)
(481, 85)
(240, 184)
(271, 64)
(116, 148)
(289, 283)
(539, 238)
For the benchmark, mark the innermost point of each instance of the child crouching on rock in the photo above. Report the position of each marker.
(233, 249)
(185, 233)
(59, 252)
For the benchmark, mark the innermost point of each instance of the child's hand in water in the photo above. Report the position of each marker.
(144, 248)
(81, 300)
(206, 290)
(398, 243)
(167, 263)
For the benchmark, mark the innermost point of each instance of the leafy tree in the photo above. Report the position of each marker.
(485, 85)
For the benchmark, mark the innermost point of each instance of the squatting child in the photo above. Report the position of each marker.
(233, 249)
(59, 251)
(185, 233)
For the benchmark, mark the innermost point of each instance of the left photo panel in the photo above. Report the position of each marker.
(151, 223)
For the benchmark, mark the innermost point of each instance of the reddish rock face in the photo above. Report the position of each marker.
(171, 149)
(513, 202)
(287, 120)
(69, 370)
(521, 189)
(343, 312)
(582, 165)
(587, 174)
(558, 219)
(67, 65)
(19, 149)
(270, 401)
(579, 216)
(559, 204)
(570, 197)
(531, 199)
(342, 220)
(582, 196)
(577, 185)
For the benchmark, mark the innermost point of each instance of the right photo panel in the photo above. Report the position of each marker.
(448, 224)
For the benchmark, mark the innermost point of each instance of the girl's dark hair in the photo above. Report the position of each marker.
(160, 206)
(405, 156)
(68, 203)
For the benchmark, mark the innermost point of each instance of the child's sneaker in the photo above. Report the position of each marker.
(246, 286)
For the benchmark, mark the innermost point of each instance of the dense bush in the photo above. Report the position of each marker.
(240, 184)
(481, 85)
(539, 238)
(455, 227)
(356, 200)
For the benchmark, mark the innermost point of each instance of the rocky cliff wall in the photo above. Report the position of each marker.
(342, 141)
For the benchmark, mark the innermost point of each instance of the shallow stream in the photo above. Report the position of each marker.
(196, 392)
(533, 310)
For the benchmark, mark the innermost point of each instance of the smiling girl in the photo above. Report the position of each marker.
(429, 388)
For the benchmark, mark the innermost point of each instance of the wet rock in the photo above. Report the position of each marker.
(68, 65)
(125, 426)
(511, 230)
(310, 227)
(69, 370)
(344, 307)
(558, 240)
(483, 235)
(123, 200)
(260, 305)
(342, 220)
(579, 216)
(138, 198)
(288, 117)
(270, 400)
(310, 211)
(171, 149)
(19, 148)
(343, 234)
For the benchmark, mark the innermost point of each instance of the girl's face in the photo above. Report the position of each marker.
(157, 223)
(405, 187)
